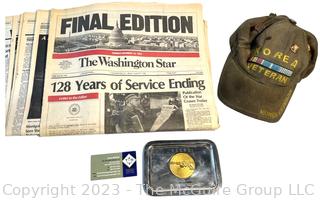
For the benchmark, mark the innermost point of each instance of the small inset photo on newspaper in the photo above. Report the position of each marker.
(118, 40)
(143, 112)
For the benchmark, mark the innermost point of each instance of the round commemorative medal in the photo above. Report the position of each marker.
(182, 165)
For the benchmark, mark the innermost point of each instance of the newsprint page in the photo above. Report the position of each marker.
(115, 68)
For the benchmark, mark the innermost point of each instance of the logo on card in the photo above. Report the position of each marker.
(129, 160)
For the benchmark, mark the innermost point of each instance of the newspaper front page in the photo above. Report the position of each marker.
(115, 68)
(33, 104)
(12, 59)
(21, 75)
(8, 38)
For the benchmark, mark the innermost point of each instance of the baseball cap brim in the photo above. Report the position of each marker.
(243, 93)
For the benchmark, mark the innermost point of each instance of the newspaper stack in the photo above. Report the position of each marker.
(108, 68)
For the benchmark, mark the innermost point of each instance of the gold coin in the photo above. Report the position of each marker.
(182, 165)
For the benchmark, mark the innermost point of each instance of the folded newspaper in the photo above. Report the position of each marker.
(108, 68)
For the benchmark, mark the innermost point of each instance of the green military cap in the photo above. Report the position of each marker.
(269, 56)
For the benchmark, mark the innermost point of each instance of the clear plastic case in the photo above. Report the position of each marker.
(187, 167)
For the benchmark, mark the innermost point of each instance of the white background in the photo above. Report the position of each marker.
(252, 153)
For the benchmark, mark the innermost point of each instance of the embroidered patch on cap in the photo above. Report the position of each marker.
(294, 48)
(270, 65)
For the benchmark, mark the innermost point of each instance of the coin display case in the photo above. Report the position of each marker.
(186, 167)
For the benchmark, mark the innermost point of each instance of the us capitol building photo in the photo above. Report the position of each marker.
(117, 40)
